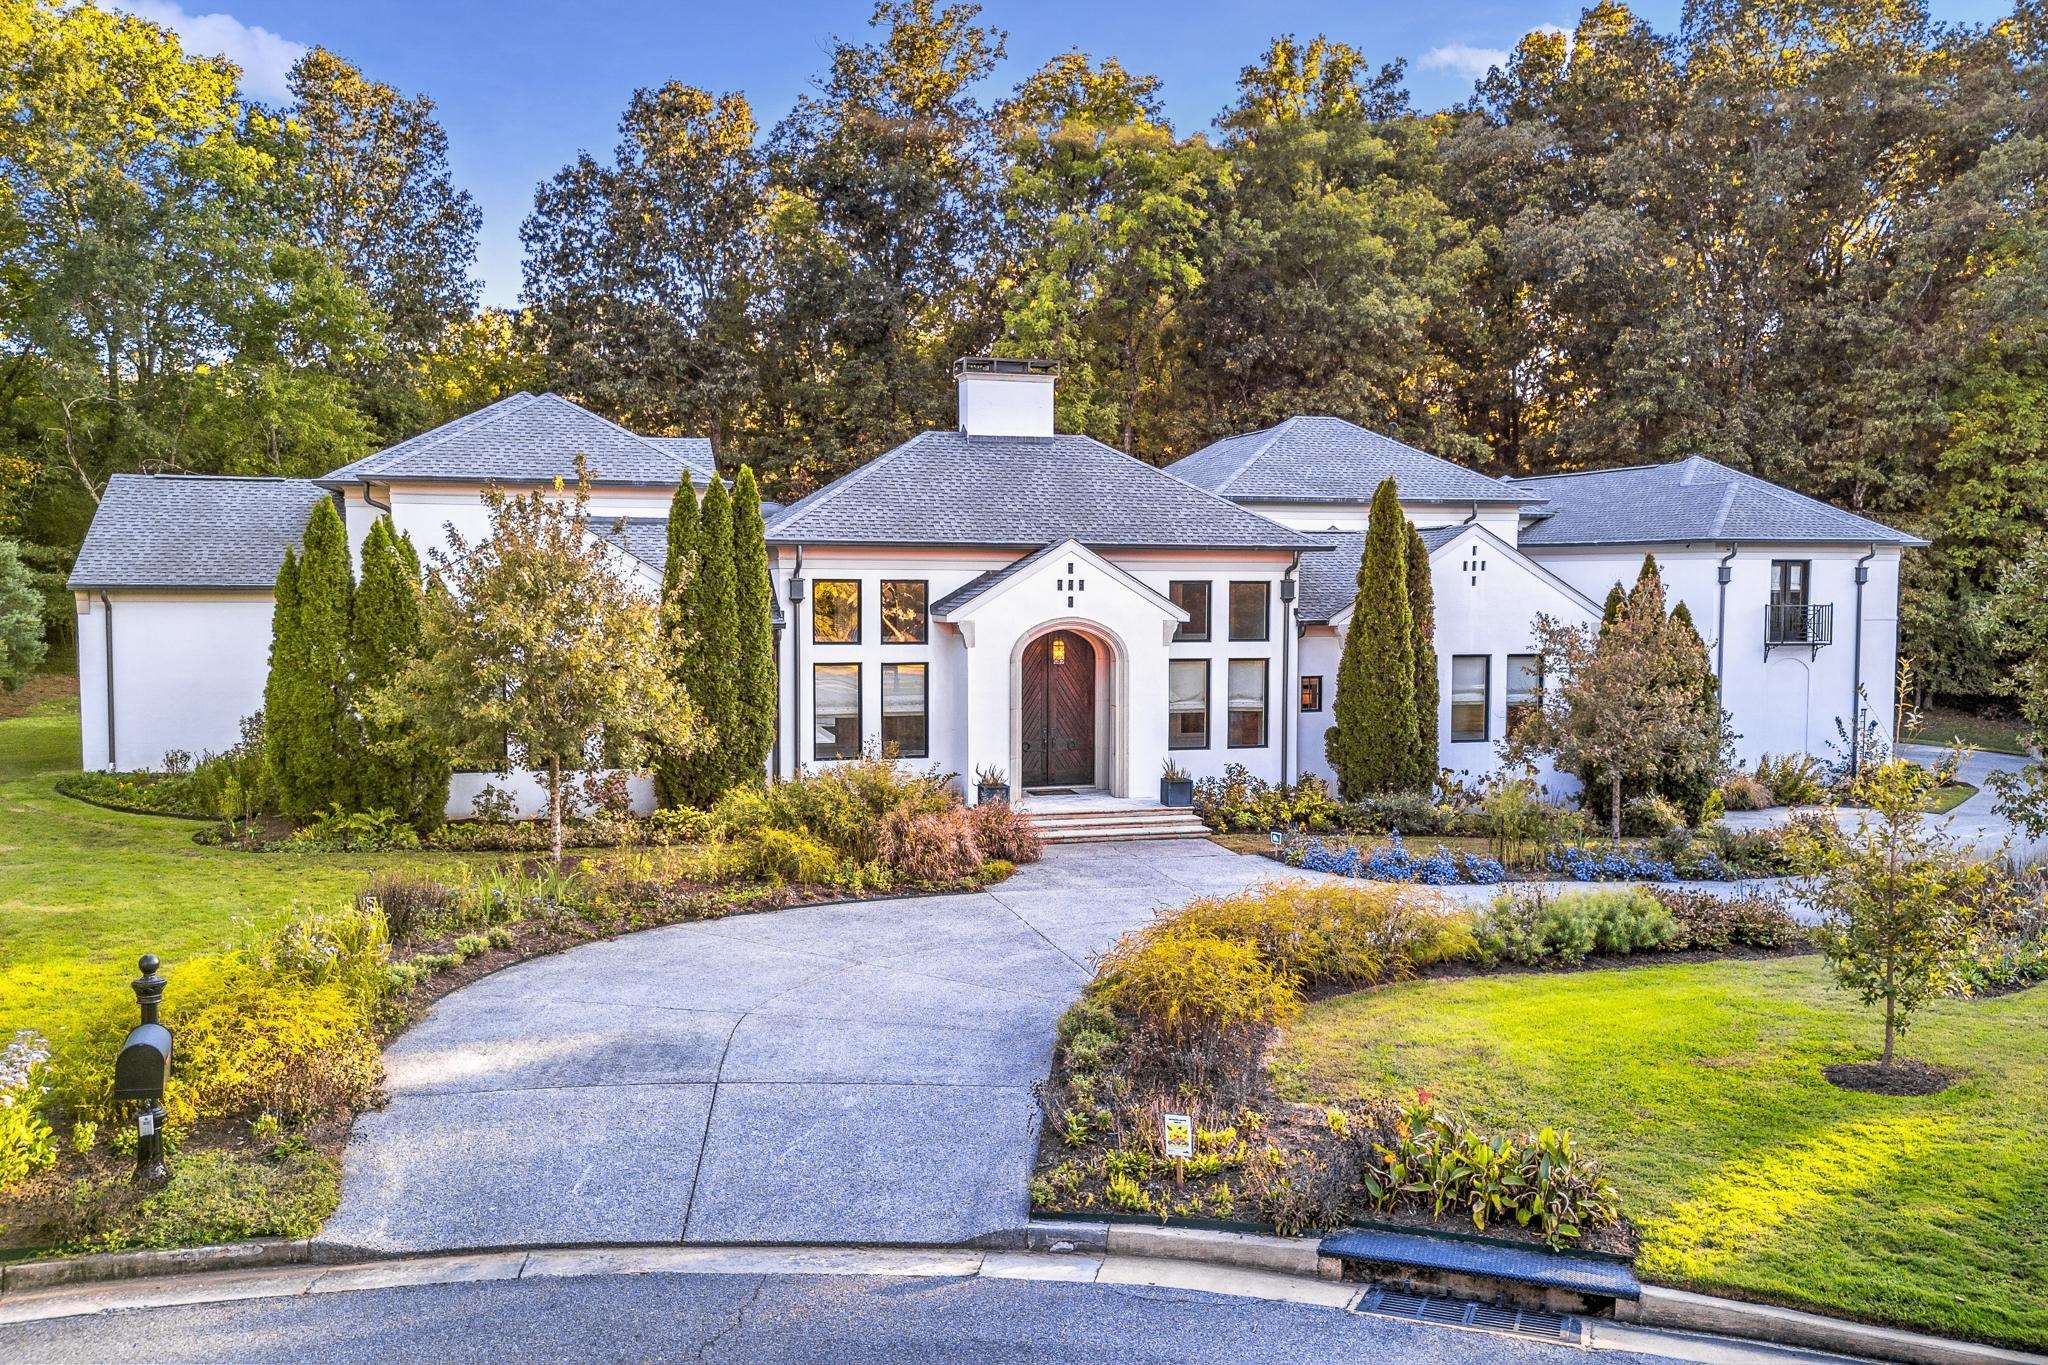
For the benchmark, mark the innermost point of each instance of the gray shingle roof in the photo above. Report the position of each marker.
(1329, 578)
(1327, 459)
(946, 488)
(193, 531)
(975, 587)
(531, 438)
(646, 539)
(1692, 499)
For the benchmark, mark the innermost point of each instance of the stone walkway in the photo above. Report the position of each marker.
(852, 1073)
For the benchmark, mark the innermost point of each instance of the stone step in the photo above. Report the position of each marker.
(1132, 822)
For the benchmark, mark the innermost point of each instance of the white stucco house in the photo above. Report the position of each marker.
(1001, 597)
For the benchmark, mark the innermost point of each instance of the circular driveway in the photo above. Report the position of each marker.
(840, 1073)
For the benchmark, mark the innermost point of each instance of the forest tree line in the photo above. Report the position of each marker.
(1804, 239)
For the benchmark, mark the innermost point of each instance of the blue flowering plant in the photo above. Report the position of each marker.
(1390, 862)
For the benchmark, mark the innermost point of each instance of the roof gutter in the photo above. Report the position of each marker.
(1722, 575)
(107, 630)
(1856, 668)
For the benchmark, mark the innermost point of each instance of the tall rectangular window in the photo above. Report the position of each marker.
(1247, 703)
(1187, 703)
(1525, 688)
(903, 611)
(835, 702)
(1311, 691)
(835, 611)
(1191, 595)
(905, 728)
(1468, 697)
(1248, 611)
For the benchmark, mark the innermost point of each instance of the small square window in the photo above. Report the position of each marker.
(1191, 595)
(1311, 691)
(835, 611)
(1249, 611)
(903, 611)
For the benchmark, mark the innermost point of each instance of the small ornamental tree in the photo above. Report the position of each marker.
(751, 734)
(1422, 609)
(401, 768)
(710, 672)
(1372, 746)
(1896, 898)
(21, 620)
(538, 641)
(322, 740)
(1611, 613)
(678, 572)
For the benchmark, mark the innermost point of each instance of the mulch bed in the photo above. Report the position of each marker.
(1904, 1076)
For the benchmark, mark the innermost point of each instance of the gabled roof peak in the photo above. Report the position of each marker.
(532, 438)
(1318, 458)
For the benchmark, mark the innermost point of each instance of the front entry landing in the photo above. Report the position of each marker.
(1058, 711)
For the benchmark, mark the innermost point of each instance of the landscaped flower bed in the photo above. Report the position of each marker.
(1390, 862)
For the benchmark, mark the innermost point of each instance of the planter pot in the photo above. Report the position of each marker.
(991, 791)
(1177, 791)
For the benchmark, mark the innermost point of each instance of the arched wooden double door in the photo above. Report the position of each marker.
(1058, 718)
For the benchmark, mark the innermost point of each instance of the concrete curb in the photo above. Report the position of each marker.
(1679, 1310)
(135, 1265)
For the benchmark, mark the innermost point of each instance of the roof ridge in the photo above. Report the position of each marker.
(447, 431)
(1271, 434)
(1213, 496)
(649, 441)
(1610, 469)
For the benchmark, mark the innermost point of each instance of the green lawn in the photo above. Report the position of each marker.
(1941, 726)
(85, 891)
(1699, 1088)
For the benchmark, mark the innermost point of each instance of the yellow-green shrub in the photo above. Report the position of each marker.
(786, 856)
(251, 1041)
(842, 807)
(1326, 934)
(1187, 984)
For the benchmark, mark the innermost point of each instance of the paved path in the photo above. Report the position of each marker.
(853, 1073)
(1974, 822)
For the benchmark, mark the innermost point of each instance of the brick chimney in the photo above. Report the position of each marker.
(1004, 397)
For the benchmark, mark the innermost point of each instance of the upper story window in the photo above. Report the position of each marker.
(1250, 615)
(1191, 595)
(835, 611)
(904, 613)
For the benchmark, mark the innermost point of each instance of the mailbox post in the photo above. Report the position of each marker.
(140, 1073)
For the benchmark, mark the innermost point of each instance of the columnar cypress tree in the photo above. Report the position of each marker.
(1422, 609)
(1611, 612)
(753, 717)
(397, 770)
(281, 721)
(328, 743)
(1372, 746)
(711, 656)
(1689, 653)
(677, 574)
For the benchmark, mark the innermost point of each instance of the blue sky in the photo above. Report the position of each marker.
(523, 85)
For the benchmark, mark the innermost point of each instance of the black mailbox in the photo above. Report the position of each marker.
(144, 1064)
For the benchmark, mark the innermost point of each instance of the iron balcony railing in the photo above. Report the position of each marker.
(1792, 623)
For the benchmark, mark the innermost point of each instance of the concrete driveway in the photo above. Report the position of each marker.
(855, 1073)
(1974, 823)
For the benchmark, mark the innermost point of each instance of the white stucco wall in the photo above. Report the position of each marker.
(425, 511)
(1503, 521)
(524, 785)
(1487, 599)
(187, 668)
(1790, 702)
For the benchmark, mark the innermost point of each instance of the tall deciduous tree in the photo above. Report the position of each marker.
(1373, 745)
(538, 642)
(751, 734)
(401, 769)
(21, 620)
(711, 662)
(1428, 690)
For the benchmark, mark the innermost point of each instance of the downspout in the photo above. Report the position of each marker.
(107, 630)
(383, 507)
(796, 667)
(1856, 670)
(1723, 575)
(1290, 690)
(775, 751)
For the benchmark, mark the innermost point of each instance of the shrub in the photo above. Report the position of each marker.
(1718, 923)
(842, 808)
(1321, 935)
(493, 805)
(607, 792)
(27, 1144)
(784, 856)
(1390, 862)
(370, 831)
(1184, 985)
(251, 1041)
(1740, 791)
(1005, 832)
(931, 847)
(1238, 802)
(1791, 779)
(409, 905)
(1529, 927)
(1607, 865)
(1651, 814)
(1404, 812)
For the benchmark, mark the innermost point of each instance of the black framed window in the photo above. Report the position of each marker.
(1247, 703)
(1525, 689)
(904, 611)
(835, 706)
(1311, 691)
(905, 710)
(1250, 611)
(1469, 700)
(1791, 594)
(1187, 703)
(1191, 595)
(835, 611)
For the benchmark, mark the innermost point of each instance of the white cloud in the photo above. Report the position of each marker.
(265, 57)
(1464, 59)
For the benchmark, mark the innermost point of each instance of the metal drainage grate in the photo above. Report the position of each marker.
(1448, 1312)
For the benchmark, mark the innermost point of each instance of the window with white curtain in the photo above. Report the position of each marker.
(1187, 704)
(904, 725)
(1525, 688)
(1468, 698)
(1247, 703)
(835, 704)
